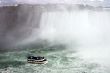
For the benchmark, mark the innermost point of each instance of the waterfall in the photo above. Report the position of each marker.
(83, 29)
(89, 29)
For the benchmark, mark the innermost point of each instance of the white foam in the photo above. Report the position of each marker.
(89, 29)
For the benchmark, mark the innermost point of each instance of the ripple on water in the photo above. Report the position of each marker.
(59, 62)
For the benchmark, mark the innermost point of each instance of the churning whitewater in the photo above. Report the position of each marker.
(74, 39)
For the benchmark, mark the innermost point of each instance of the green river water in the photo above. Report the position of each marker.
(60, 60)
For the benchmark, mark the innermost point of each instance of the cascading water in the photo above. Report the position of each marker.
(74, 39)
(89, 29)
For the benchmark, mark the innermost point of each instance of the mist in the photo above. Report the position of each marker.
(87, 30)
(18, 23)
(84, 29)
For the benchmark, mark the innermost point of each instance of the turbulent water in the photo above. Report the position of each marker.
(60, 60)
(75, 40)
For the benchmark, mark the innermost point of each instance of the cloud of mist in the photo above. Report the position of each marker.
(88, 29)
(86, 26)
